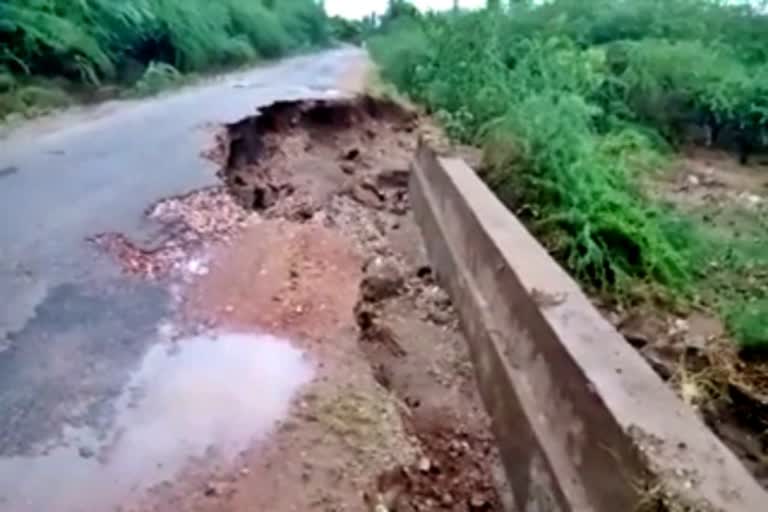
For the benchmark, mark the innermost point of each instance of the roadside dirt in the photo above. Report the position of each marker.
(710, 182)
(691, 349)
(319, 247)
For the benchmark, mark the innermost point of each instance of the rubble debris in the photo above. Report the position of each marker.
(190, 223)
(383, 279)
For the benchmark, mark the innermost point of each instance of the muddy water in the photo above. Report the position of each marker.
(204, 398)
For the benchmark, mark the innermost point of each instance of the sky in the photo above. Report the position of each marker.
(360, 8)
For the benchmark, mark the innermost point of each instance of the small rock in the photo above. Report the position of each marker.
(614, 318)
(245, 472)
(693, 180)
(698, 343)
(440, 316)
(351, 154)
(348, 168)
(197, 267)
(214, 489)
(86, 452)
(229, 309)
(438, 297)
(424, 465)
(478, 501)
(447, 500)
(680, 325)
(383, 280)
(368, 196)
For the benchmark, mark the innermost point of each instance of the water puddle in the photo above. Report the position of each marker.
(205, 397)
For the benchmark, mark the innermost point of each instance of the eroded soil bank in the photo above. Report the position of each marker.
(311, 240)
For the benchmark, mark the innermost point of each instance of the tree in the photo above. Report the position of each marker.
(399, 9)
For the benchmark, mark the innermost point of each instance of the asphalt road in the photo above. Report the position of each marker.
(73, 329)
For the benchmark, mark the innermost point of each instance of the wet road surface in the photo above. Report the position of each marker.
(91, 387)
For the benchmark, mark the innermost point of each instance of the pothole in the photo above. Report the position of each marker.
(294, 158)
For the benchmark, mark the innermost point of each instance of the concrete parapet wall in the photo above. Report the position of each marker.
(582, 422)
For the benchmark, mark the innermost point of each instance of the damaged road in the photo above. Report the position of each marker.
(256, 330)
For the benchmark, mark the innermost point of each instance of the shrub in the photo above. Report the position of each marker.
(88, 40)
(747, 321)
(7, 82)
(575, 101)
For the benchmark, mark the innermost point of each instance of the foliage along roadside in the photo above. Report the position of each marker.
(575, 101)
(61, 46)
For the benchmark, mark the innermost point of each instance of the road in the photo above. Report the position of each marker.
(296, 355)
(75, 332)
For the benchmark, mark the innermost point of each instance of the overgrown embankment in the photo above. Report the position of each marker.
(577, 102)
(583, 107)
(52, 50)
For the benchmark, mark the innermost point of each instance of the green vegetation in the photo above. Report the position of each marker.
(576, 103)
(86, 43)
(353, 31)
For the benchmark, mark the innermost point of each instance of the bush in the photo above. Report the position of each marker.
(7, 82)
(575, 101)
(402, 54)
(88, 40)
(556, 153)
(747, 322)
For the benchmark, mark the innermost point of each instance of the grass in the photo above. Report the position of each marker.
(143, 43)
(576, 103)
